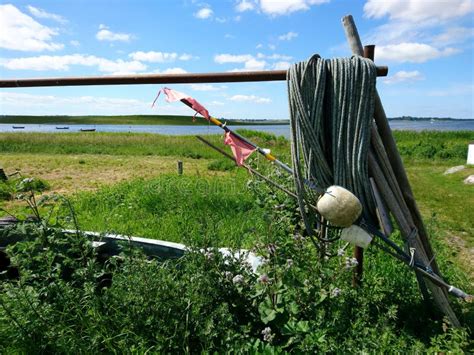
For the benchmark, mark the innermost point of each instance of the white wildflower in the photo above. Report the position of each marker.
(267, 334)
(238, 279)
(336, 292)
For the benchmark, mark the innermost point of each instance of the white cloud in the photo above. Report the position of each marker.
(160, 57)
(230, 58)
(228, 35)
(258, 46)
(29, 103)
(21, 32)
(422, 22)
(288, 36)
(186, 56)
(174, 71)
(250, 63)
(272, 47)
(40, 13)
(217, 103)
(453, 35)
(279, 57)
(418, 10)
(254, 64)
(21, 103)
(244, 5)
(153, 57)
(281, 65)
(74, 43)
(411, 52)
(221, 19)
(105, 34)
(250, 98)
(205, 87)
(63, 63)
(404, 76)
(285, 7)
(204, 13)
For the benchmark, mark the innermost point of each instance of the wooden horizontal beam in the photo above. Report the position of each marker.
(187, 78)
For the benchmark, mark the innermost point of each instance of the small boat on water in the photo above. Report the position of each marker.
(18, 127)
(87, 129)
(62, 127)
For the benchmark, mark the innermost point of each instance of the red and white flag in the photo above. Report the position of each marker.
(173, 95)
(240, 149)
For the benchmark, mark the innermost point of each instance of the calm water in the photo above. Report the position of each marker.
(279, 130)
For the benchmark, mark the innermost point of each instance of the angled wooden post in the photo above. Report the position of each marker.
(423, 247)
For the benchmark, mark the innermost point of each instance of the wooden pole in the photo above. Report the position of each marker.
(390, 146)
(382, 213)
(358, 251)
(425, 252)
(180, 167)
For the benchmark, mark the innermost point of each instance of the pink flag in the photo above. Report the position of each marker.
(173, 95)
(241, 149)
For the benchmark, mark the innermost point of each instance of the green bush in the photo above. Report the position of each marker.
(261, 135)
(6, 191)
(221, 165)
(68, 296)
(12, 187)
(434, 144)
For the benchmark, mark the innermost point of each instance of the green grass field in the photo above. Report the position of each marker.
(90, 166)
(127, 184)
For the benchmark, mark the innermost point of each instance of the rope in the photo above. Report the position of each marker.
(331, 109)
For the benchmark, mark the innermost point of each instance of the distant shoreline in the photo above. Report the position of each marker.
(167, 120)
(164, 120)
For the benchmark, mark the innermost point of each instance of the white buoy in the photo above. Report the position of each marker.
(470, 154)
(356, 236)
(339, 206)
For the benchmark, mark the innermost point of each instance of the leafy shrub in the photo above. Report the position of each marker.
(431, 144)
(69, 296)
(31, 184)
(262, 136)
(11, 187)
(6, 191)
(221, 165)
(192, 155)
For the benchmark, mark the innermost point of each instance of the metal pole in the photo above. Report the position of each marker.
(187, 78)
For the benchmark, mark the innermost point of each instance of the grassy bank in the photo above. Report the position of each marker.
(440, 146)
(123, 144)
(126, 183)
(126, 120)
(77, 163)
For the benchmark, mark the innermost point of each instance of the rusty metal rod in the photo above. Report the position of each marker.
(187, 78)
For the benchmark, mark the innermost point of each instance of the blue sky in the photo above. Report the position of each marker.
(427, 44)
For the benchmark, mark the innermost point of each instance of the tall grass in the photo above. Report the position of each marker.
(124, 144)
(220, 211)
(434, 144)
(426, 145)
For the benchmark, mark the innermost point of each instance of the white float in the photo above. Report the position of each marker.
(339, 206)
